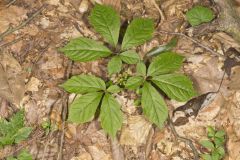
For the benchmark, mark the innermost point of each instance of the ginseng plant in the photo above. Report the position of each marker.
(94, 93)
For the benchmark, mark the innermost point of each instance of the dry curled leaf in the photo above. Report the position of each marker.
(193, 106)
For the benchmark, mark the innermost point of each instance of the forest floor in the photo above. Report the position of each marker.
(34, 68)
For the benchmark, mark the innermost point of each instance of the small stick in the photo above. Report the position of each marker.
(64, 111)
(10, 43)
(10, 3)
(194, 41)
(23, 24)
(185, 140)
(46, 146)
(162, 16)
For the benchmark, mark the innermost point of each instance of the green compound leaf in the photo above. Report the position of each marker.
(211, 131)
(154, 107)
(138, 32)
(84, 84)
(141, 69)
(22, 134)
(176, 86)
(114, 65)
(24, 155)
(10, 127)
(206, 157)
(216, 155)
(84, 107)
(134, 82)
(84, 50)
(110, 115)
(220, 134)
(199, 14)
(219, 141)
(221, 151)
(11, 158)
(114, 89)
(13, 131)
(165, 63)
(106, 21)
(130, 57)
(207, 144)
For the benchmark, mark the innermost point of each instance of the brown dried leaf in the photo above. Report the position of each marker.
(231, 61)
(207, 74)
(84, 156)
(98, 154)
(135, 132)
(12, 85)
(232, 145)
(227, 40)
(33, 85)
(232, 110)
(11, 15)
(235, 82)
(117, 151)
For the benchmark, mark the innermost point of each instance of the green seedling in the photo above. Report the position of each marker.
(214, 144)
(14, 130)
(23, 155)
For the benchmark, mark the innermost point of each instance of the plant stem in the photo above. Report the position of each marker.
(187, 141)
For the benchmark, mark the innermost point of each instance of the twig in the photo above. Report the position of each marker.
(49, 135)
(64, 111)
(38, 57)
(46, 146)
(162, 16)
(10, 43)
(187, 141)
(10, 3)
(193, 40)
(23, 24)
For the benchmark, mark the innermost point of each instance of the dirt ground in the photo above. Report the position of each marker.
(33, 68)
